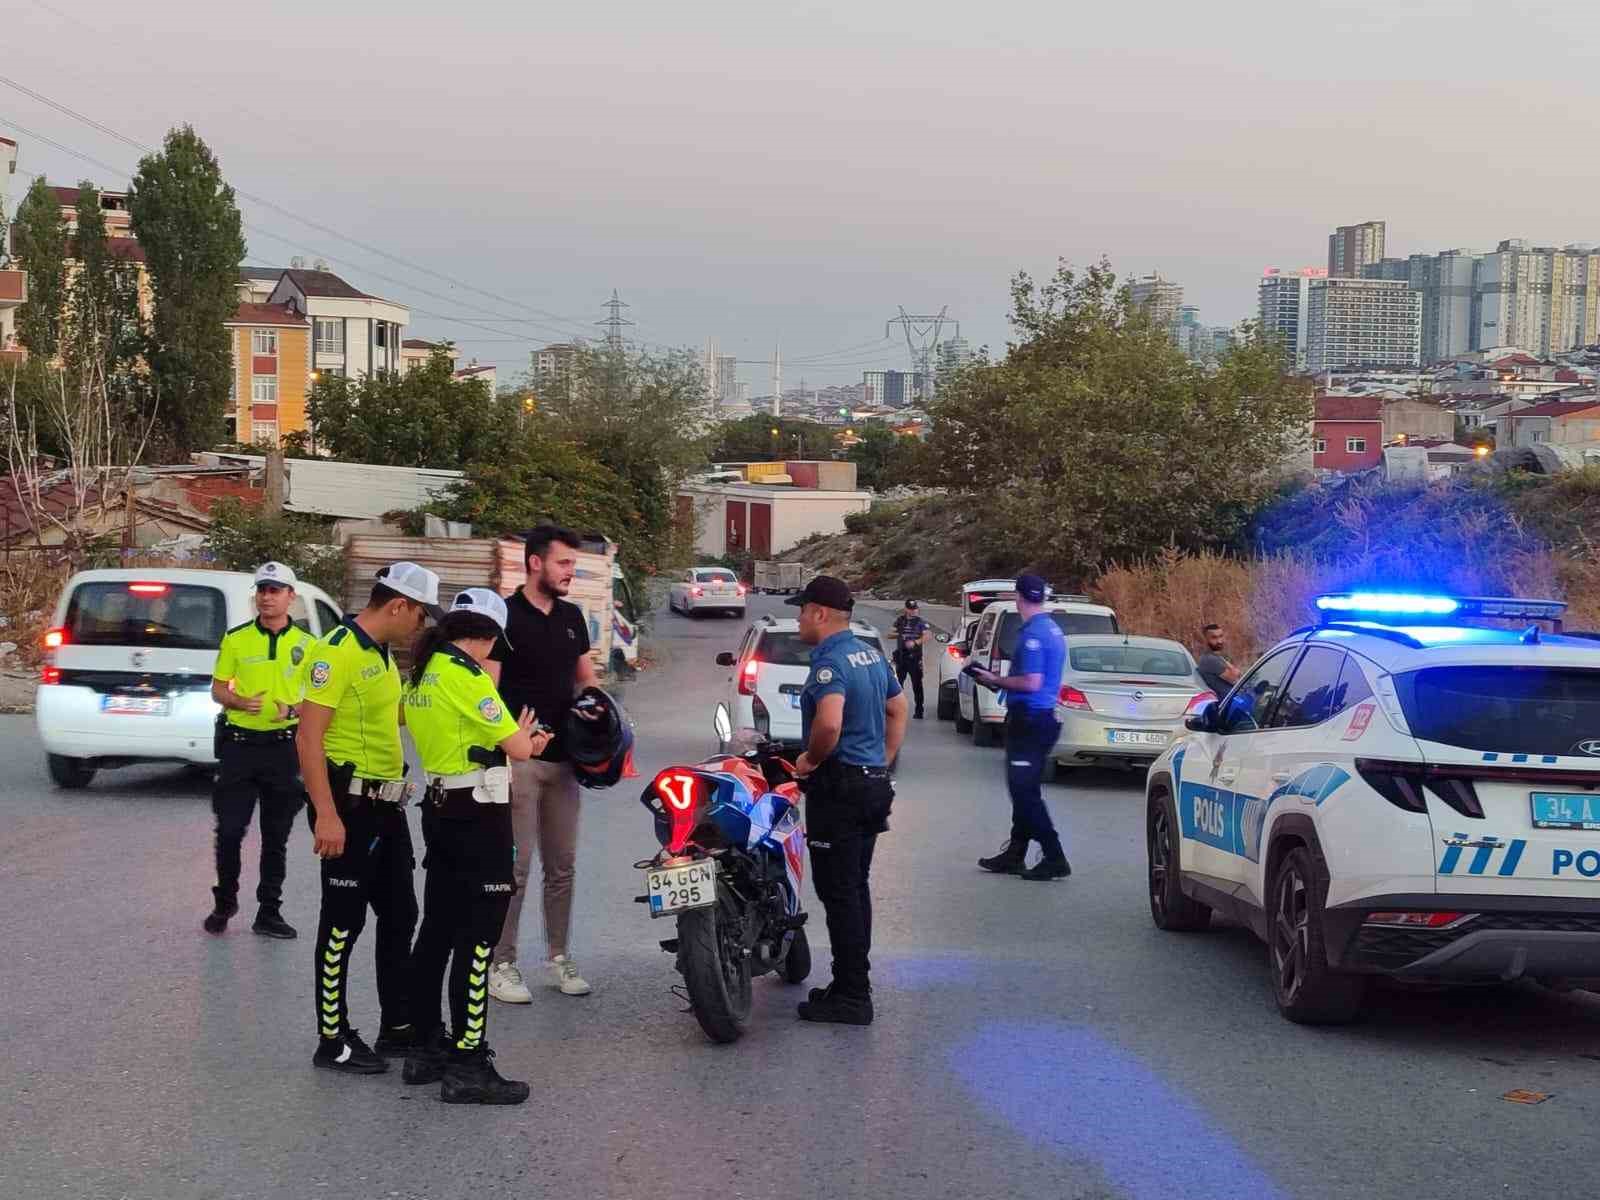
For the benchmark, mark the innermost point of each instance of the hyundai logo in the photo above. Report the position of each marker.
(1591, 746)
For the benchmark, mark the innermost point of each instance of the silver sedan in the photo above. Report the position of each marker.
(1124, 698)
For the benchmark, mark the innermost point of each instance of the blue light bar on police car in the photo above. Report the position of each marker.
(1387, 604)
(1432, 606)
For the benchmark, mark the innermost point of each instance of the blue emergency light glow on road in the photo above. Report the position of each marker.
(1071, 1090)
(1407, 604)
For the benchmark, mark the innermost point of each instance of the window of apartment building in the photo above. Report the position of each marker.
(1355, 445)
(1320, 445)
(264, 431)
(330, 336)
(264, 389)
(263, 341)
(233, 378)
(379, 333)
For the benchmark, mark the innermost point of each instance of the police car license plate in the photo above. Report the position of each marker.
(675, 889)
(1565, 810)
(133, 706)
(1135, 737)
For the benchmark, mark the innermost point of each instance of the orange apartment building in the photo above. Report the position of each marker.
(271, 346)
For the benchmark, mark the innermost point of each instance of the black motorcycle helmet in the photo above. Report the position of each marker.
(598, 737)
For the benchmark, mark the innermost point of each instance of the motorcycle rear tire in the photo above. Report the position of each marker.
(719, 993)
(796, 964)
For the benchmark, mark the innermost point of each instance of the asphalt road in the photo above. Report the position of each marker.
(1032, 1039)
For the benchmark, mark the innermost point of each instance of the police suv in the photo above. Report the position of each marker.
(1393, 791)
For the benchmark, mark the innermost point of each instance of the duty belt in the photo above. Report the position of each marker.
(855, 769)
(450, 782)
(237, 733)
(389, 791)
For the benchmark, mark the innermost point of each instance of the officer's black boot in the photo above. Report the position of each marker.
(270, 923)
(470, 1078)
(426, 1063)
(348, 1054)
(398, 1041)
(221, 912)
(1011, 860)
(831, 1006)
(1051, 866)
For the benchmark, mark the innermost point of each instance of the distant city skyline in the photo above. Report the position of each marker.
(701, 162)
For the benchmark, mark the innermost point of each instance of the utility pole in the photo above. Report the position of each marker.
(777, 380)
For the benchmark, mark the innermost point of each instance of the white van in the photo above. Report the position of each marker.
(128, 662)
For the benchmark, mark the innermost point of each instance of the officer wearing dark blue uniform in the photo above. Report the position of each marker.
(852, 719)
(910, 635)
(1031, 733)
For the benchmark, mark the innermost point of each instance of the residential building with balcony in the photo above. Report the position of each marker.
(1282, 299)
(1353, 247)
(1363, 322)
(271, 346)
(415, 352)
(352, 334)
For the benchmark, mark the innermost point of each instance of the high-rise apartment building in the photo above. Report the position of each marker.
(1363, 323)
(953, 353)
(1536, 298)
(1282, 298)
(874, 385)
(1352, 247)
(1445, 281)
(1161, 297)
(727, 391)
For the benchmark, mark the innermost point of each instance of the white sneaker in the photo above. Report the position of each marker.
(506, 986)
(564, 974)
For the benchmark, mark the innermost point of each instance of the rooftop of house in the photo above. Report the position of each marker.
(325, 283)
(1556, 408)
(1349, 408)
(267, 314)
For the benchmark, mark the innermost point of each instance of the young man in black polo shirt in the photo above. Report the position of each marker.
(543, 669)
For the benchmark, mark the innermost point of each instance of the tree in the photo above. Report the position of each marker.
(1095, 439)
(39, 244)
(425, 418)
(872, 454)
(243, 536)
(103, 330)
(752, 439)
(185, 218)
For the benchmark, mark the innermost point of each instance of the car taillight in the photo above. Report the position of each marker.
(50, 674)
(681, 795)
(148, 589)
(1200, 700)
(695, 591)
(1402, 784)
(1071, 697)
(952, 651)
(747, 678)
(54, 639)
(1418, 920)
(741, 589)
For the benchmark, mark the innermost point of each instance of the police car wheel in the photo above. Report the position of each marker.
(946, 708)
(1307, 989)
(1170, 909)
(962, 724)
(985, 733)
(69, 773)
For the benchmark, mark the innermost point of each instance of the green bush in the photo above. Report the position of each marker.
(243, 537)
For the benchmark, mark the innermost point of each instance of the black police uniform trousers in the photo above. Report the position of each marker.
(847, 807)
(375, 869)
(468, 858)
(255, 767)
(1031, 735)
(908, 665)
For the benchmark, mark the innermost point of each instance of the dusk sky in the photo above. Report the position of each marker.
(753, 172)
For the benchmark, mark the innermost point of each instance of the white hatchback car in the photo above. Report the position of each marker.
(1393, 792)
(128, 662)
(707, 589)
(980, 711)
(769, 670)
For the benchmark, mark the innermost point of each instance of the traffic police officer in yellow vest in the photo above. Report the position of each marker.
(257, 683)
(465, 738)
(354, 768)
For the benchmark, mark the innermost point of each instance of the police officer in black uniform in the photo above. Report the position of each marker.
(853, 719)
(910, 635)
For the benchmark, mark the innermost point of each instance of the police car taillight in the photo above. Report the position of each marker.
(1418, 920)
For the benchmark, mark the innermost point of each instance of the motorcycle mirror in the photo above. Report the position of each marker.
(725, 659)
(723, 724)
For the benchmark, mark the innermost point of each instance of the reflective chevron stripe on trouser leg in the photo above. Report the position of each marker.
(470, 1036)
(331, 960)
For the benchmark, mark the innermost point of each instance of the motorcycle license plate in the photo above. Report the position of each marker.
(676, 889)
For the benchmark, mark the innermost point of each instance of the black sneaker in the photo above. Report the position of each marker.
(470, 1078)
(397, 1041)
(1012, 859)
(270, 923)
(917, 716)
(348, 1054)
(1049, 868)
(217, 920)
(426, 1063)
(837, 1009)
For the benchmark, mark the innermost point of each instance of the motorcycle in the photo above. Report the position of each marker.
(729, 871)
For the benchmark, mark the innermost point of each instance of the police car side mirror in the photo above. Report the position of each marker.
(943, 639)
(725, 659)
(1204, 721)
